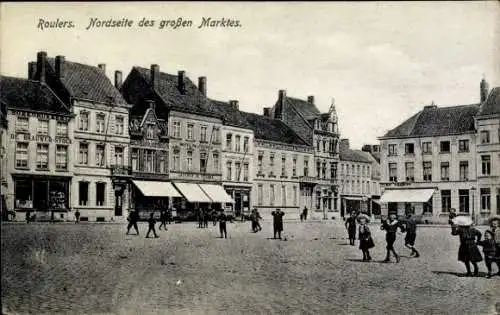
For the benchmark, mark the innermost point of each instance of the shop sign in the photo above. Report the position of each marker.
(39, 138)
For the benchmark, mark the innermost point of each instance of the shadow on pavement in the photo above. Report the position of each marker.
(368, 262)
(458, 274)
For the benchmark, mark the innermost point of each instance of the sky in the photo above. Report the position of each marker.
(380, 61)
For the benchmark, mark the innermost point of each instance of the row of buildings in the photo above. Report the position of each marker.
(443, 158)
(72, 140)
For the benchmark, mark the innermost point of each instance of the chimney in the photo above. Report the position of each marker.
(180, 81)
(344, 144)
(154, 75)
(31, 70)
(282, 95)
(310, 99)
(118, 79)
(484, 87)
(102, 66)
(234, 104)
(41, 59)
(267, 112)
(151, 104)
(202, 85)
(60, 66)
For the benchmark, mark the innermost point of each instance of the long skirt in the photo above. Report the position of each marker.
(469, 252)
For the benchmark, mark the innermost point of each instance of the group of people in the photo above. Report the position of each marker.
(165, 218)
(390, 226)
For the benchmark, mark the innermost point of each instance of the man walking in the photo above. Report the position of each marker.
(222, 224)
(77, 216)
(391, 226)
(410, 227)
(151, 223)
(257, 218)
(304, 213)
(163, 219)
(133, 218)
(277, 222)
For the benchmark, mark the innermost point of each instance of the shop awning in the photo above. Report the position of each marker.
(192, 192)
(156, 189)
(407, 195)
(216, 193)
(353, 198)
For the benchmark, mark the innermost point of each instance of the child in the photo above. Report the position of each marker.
(152, 223)
(410, 227)
(489, 250)
(350, 225)
(467, 252)
(391, 226)
(365, 237)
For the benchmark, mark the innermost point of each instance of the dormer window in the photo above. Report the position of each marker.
(150, 131)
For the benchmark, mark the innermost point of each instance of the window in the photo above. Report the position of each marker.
(427, 171)
(271, 163)
(409, 148)
(445, 200)
(245, 172)
(119, 156)
(318, 145)
(99, 155)
(318, 200)
(464, 170)
(83, 193)
(216, 134)
(190, 132)
(260, 192)
(22, 155)
(393, 172)
(22, 124)
(324, 145)
(485, 136)
(162, 161)
(318, 169)
(323, 173)
(229, 170)
(100, 194)
(283, 195)
(485, 199)
(177, 160)
(427, 147)
(259, 163)
(100, 123)
(427, 207)
(295, 195)
(61, 157)
(203, 162)
(203, 134)
(237, 171)
(149, 161)
(189, 161)
(83, 154)
(43, 127)
(84, 121)
(357, 171)
(410, 171)
(119, 121)
(283, 166)
(134, 158)
(245, 144)
(176, 129)
(237, 140)
(271, 195)
(485, 165)
(294, 166)
(150, 131)
(463, 145)
(62, 129)
(42, 156)
(393, 149)
(306, 167)
(444, 146)
(498, 200)
(229, 142)
(463, 199)
(216, 162)
(445, 171)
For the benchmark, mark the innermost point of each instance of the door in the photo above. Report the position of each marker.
(118, 202)
(40, 200)
(237, 203)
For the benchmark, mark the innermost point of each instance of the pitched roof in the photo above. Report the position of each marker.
(30, 95)
(437, 121)
(492, 104)
(88, 82)
(356, 156)
(306, 109)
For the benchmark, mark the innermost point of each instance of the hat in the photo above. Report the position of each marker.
(462, 221)
(363, 216)
(494, 218)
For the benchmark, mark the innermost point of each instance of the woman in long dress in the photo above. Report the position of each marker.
(468, 252)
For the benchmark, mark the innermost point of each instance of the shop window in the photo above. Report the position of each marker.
(22, 155)
(23, 191)
(83, 193)
(428, 207)
(58, 194)
(100, 194)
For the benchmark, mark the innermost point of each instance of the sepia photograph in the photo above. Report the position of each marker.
(250, 157)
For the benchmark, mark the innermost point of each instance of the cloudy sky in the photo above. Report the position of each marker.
(381, 61)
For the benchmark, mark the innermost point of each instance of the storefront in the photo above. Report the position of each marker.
(402, 201)
(354, 203)
(151, 197)
(240, 197)
(43, 194)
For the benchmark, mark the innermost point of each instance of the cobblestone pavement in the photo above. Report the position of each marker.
(96, 268)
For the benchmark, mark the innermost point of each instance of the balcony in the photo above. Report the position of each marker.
(195, 176)
(121, 171)
(148, 175)
(308, 180)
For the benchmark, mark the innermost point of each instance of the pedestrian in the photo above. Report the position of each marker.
(391, 226)
(304, 213)
(452, 215)
(410, 227)
(132, 219)
(151, 225)
(489, 251)
(163, 219)
(28, 216)
(206, 218)
(222, 218)
(495, 231)
(77, 216)
(257, 219)
(169, 216)
(200, 218)
(365, 237)
(214, 216)
(350, 225)
(277, 222)
(468, 252)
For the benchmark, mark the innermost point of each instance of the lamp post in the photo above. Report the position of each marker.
(473, 192)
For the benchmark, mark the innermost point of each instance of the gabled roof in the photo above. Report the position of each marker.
(306, 109)
(356, 156)
(229, 114)
(27, 94)
(88, 82)
(492, 104)
(437, 121)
